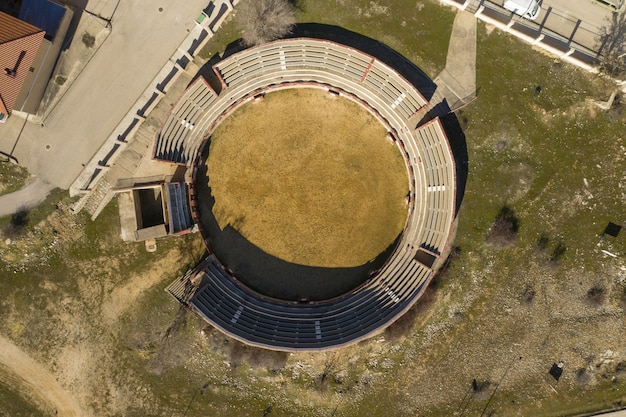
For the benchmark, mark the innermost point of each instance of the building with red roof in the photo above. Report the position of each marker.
(19, 44)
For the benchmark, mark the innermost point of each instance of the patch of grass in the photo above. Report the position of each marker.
(26, 219)
(15, 405)
(580, 400)
(12, 177)
(228, 33)
(404, 25)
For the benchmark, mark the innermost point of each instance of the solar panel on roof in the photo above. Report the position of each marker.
(44, 14)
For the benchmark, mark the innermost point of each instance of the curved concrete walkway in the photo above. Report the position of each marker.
(26, 198)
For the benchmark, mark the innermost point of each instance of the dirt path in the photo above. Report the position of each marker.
(37, 381)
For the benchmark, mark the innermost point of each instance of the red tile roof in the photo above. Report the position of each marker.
(19, 42)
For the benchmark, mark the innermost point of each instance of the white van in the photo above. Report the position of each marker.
(526, 8)
(613, 5)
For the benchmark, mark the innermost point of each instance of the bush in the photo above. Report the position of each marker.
(558, 252)
(528, 295)
(503, 232)
(583, 378)
(265, 20)
(596, 295)
(542, 243)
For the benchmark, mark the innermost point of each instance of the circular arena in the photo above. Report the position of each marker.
(215, 293)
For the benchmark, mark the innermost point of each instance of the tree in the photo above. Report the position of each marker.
(613, 45)
(265, 20)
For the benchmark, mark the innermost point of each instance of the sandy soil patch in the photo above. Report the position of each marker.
(317, 188)
(37, 382)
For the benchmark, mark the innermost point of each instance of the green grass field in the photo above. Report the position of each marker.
(12, 177)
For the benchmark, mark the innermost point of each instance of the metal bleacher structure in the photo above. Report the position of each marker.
(218, 296)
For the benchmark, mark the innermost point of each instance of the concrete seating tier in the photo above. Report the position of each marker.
(273, 324)
(440, 180)
(312, 63)
(174, 141)
(178, 208)
(297, 54)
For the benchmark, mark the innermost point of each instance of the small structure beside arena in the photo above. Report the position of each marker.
(154, 209)
(214, 292)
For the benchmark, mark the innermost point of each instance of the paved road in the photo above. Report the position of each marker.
(27, 197)
(143, 37)
(614, 414)
(579, 20)
(588, 10)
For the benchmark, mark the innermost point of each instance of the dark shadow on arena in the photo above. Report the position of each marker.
(267, 274)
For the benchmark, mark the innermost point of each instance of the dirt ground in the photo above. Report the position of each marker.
(97, 335)
(67, 363)
(104, 340)
(309, 179)
(35, 381)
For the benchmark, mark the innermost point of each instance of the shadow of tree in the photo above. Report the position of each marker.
(17, 224)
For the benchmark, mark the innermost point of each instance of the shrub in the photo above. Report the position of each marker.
(542, 243)
(558, 252)
(595, 296)
(613, 48)
(528, 295)
(265, 20)
(503, 232)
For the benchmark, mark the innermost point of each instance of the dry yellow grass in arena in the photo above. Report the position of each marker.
(308, 178)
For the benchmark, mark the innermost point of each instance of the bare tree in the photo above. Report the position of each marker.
(613, 45)
(265, 20)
